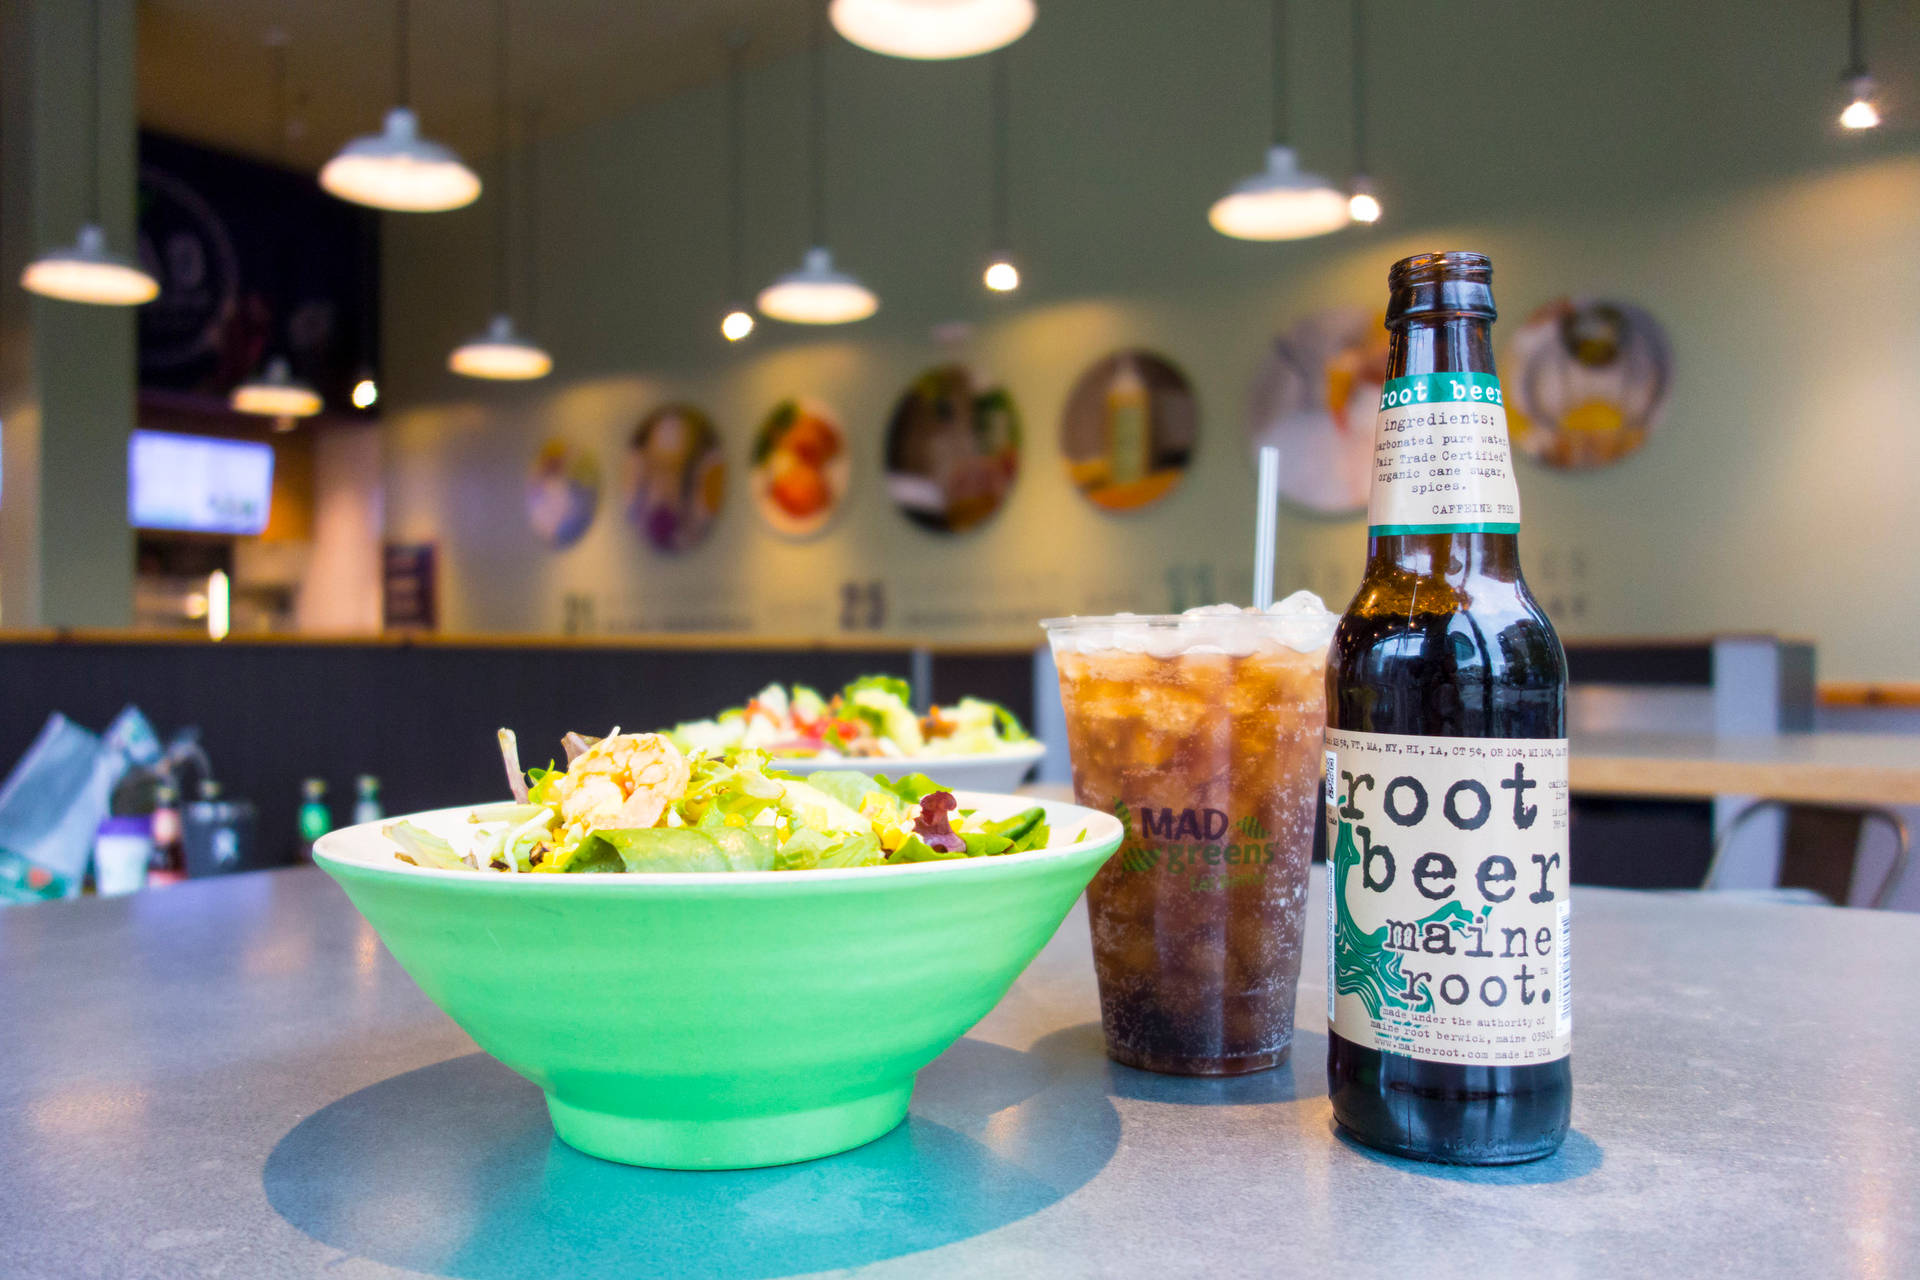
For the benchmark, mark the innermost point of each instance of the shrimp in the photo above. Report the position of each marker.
(622, 782)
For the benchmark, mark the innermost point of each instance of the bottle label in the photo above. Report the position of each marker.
(1449, 911)
(1441, 461)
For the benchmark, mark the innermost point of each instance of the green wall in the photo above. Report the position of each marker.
(1677, 156)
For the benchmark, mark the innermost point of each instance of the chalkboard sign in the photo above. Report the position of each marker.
(410, 596)
(252, 259)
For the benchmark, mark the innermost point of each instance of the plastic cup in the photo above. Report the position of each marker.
(121, 851)
(1202, 733)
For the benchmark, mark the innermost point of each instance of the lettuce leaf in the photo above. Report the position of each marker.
(424, 848)
(540, 785)
(918, 850)
(913, 788)
(1024, 830)
(1011, 730)
(1036, 838)
(808, 850)
(893, 685)
(974, 726)
(808, 807)
(848, 786)
(884, 704)
(675, 849)
(982, 844)
(735, 787)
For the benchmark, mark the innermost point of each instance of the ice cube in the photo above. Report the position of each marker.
(1166, 642)
(1302, 622)
(1299, 602)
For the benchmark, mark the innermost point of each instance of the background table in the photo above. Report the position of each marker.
(1804, 768)
(231, 1077)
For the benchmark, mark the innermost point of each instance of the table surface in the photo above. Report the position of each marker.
(1809, 768)
(232, 1078)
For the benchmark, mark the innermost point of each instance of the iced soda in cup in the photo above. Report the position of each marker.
(1201, 732)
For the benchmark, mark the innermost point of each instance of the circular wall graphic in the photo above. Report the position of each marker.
(1129, 429)
(1315, 399)
(953, 449)
(562, 493)
(1586, 381)
(800, 467)
(676, 476)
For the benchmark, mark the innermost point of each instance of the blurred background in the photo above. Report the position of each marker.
(470, 457)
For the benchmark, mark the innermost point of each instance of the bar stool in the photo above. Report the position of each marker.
(1818, 869)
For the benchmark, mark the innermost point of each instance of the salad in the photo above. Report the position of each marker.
(872, 717)
(636, 802)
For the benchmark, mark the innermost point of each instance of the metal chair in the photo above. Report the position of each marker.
(1828, 827)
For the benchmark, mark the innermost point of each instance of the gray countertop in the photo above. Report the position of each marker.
(232, 1078)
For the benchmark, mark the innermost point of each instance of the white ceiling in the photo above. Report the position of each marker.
(206, 73)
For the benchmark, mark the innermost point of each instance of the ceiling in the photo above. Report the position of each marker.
(206, 73)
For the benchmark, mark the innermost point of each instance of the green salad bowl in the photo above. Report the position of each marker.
(722, 1020)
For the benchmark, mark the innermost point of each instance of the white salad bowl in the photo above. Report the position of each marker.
(998, 771)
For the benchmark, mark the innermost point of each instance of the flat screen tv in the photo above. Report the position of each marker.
(198, 483)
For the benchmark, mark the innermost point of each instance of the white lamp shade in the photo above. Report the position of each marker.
(1001, 275)
(87, 272)
(1280, 203)
(932, 28)
(501, 355)
(276, 393)
(398, 169)
(817, 294)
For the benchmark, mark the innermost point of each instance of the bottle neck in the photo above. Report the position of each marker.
(1444, 343)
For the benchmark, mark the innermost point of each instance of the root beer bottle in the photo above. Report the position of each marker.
(1449, 1006)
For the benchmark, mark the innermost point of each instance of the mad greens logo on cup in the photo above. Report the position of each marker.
(1204, 843)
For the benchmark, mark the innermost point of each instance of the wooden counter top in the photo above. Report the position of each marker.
(676, 640)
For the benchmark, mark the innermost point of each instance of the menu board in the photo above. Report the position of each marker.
(198, 483)
(410, 599)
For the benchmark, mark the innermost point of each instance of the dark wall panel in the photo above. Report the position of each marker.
(421, 718)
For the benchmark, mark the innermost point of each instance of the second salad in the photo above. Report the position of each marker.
(872, 717)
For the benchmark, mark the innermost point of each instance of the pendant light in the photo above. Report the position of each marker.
(366, 386)
(1861, 111)
(397, 168)
(738, 322)
(1362, 204)
(501, 353)
(274, 392)
(88, 271)
(1001, 275)
(928, 29)
(1280, 202)
(818, 293)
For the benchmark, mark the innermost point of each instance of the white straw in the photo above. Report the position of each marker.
(1266, 526)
